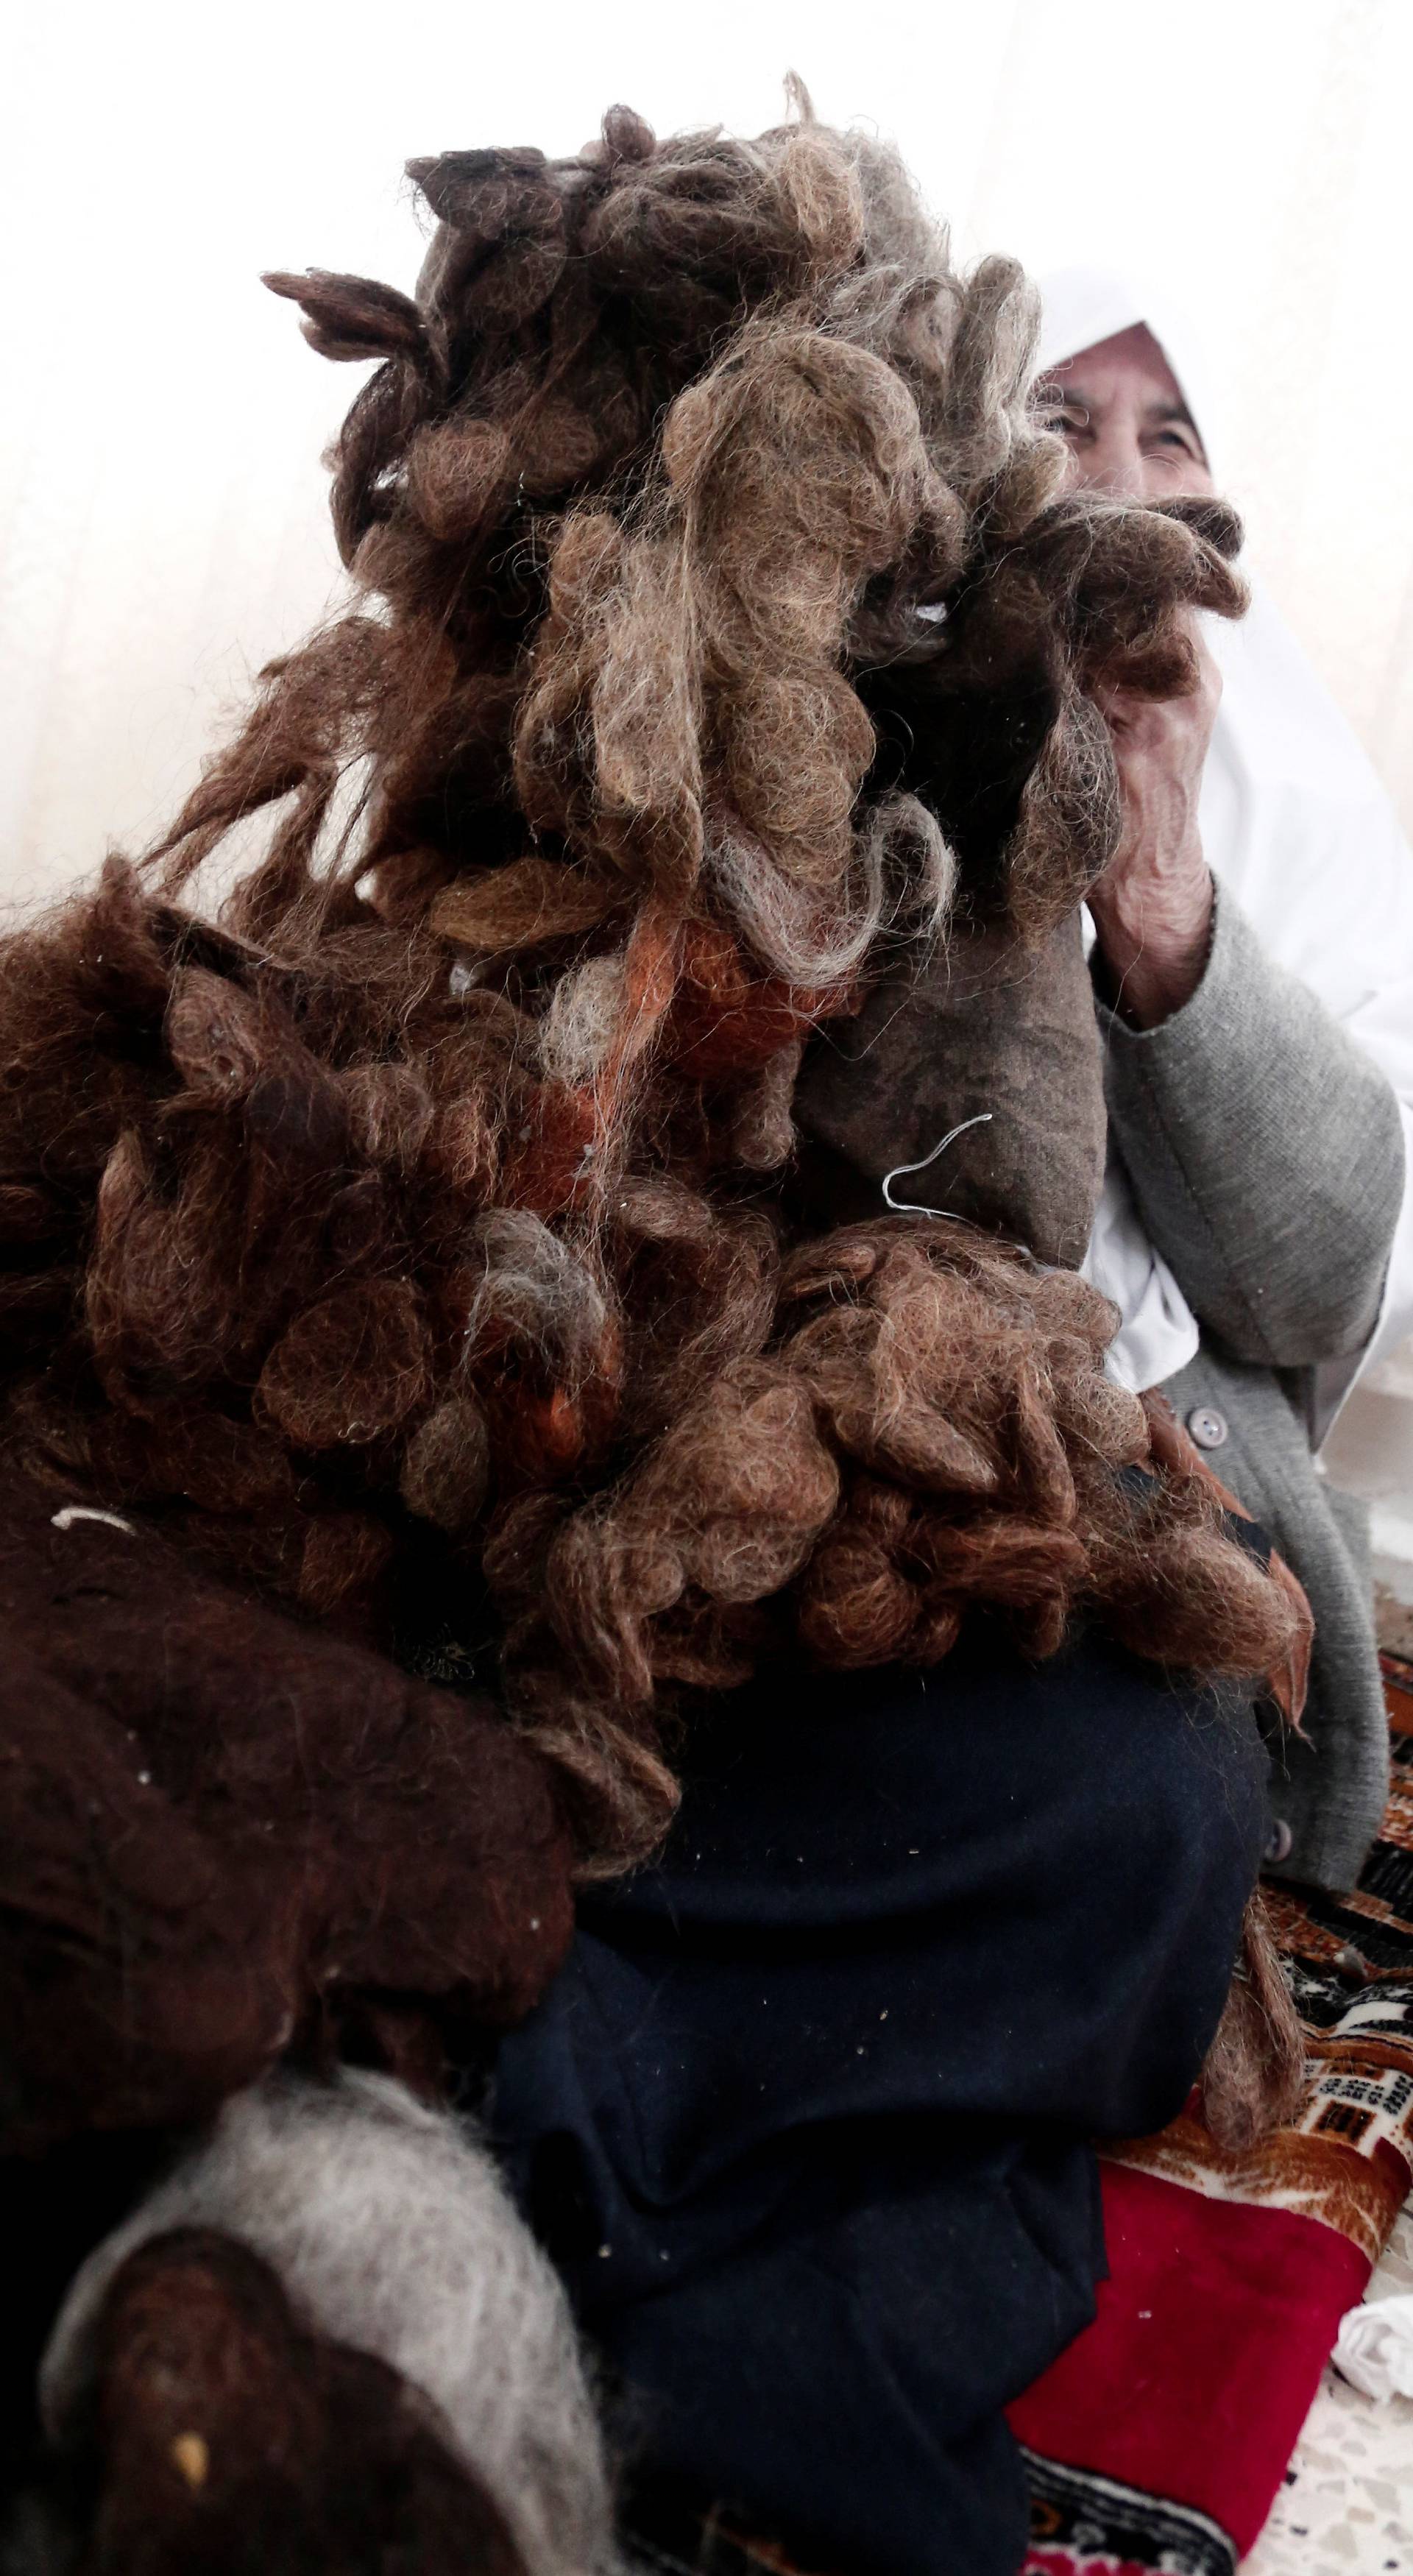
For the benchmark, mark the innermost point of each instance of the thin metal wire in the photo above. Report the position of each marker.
(911, 1207)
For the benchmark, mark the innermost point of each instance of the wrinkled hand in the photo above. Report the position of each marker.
(1152, 908)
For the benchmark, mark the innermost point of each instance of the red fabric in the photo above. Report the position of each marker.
(1206, 2351)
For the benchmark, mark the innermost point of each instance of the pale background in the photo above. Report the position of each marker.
(162, 526)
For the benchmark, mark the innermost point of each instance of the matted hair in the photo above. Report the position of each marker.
(721, 622)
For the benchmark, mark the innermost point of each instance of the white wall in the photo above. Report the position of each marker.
(161, 526)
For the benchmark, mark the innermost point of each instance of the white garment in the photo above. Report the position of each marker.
(1159, 1332)
(1295, 821)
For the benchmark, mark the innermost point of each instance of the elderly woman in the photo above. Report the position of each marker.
(1253, 961)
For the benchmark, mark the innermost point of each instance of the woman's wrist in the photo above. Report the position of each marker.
(1153, 935)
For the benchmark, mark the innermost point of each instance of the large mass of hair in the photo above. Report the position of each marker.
(721, 623)
(427, 2324)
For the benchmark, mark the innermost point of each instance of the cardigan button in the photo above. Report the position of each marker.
(1279, 1841)
(1207, 1426)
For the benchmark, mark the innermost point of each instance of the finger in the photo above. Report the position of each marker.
(1118, 705)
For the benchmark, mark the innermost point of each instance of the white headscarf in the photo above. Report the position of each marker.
(1295, 822)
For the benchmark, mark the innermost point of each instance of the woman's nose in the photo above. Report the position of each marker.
(1114, 463)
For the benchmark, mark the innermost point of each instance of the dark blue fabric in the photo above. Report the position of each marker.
(804, 2120)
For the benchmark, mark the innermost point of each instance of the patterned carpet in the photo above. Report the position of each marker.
(1345, 2505)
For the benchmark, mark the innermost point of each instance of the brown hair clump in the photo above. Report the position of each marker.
(721, 622)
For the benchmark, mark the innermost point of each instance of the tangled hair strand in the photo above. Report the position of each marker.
(721, 623)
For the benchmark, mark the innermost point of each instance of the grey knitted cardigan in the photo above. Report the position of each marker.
(1265, 1153)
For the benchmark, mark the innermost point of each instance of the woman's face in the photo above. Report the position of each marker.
(1120, 409)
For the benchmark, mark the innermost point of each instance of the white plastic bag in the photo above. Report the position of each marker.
(1374, 2350)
